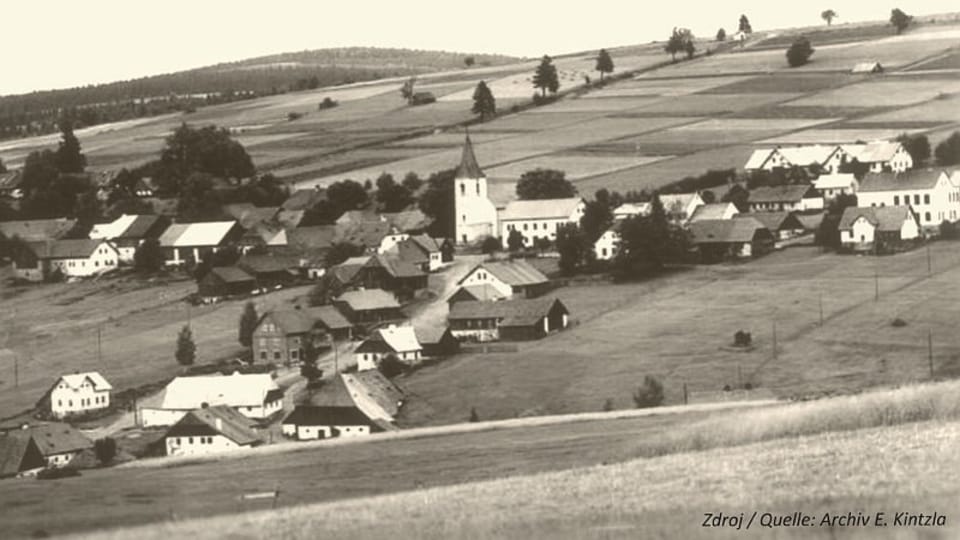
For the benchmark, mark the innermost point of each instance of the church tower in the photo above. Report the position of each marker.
(476, 214)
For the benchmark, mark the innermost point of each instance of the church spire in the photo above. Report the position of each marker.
(469, 168)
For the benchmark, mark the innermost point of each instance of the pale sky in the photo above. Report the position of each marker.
(55, 44)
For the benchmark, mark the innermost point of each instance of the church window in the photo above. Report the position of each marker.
(478, 188)
(463, 189)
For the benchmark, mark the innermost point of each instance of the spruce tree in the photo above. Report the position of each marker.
(604, 63)
(186, 349)
(248, 323)
(545, 77)
(69, 158)
(484, 103)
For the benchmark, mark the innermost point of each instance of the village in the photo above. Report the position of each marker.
(191, 306)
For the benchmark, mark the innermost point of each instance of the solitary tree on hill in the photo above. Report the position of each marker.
(545, 78)
(900, 20)
(604, 63)
(799, 53)
(484, 103)
(828, 15)
(407, 89)
(721, 35)
(649, 394)
(186, 350)
(469, 61)
(248, 323)
(745, 25)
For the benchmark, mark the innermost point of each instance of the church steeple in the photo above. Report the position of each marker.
(469, 168)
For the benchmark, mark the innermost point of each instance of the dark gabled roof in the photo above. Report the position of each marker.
(308, 238)
(231, 274)
(398, 267)
(18, 453)
(58, 438)
(469, 168)
(810, 220)
(303, 199)
(143, 226)
(367, 234)
(408, 220)
(267, 264)
(249, 216)
(774, 221)
(10, 180)
(329, 316)
(912, 179)
(37, 230)
(431, 335)
(722, 231)
(516, 273)
(884, 218)
(80, 248)
(333, 394)
(312, 415)
(520, 312)
(789, 193)
(290, 321)
(233, 425)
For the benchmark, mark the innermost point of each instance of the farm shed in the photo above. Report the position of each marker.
(507, 320)
(225, 281)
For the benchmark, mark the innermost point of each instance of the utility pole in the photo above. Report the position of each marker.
(929, 263)
(685, 393)
(16, 371)
(99, 345)
(821, 309)
(774, 339)
(876, 285)
(930, 351)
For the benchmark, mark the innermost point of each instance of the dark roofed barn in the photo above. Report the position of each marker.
(508, 320)
(225, 281)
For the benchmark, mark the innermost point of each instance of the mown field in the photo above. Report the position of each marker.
(678, 327)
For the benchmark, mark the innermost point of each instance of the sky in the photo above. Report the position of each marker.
(56, 44)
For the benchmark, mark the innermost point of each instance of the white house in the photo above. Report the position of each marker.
(77, 393)
(128, 232)
(400, 341)
(509, 278)
(184, 242)
(539, 219)
(933, 194)
(832, 186)
(793, 197)
(721, 210)
(476, 215)
(881, 156)
(607, 246)
(308, 422)
(254, 395)
(867, 67)
(391, 240)
(72, 258)
(210, 430)
(861, 227)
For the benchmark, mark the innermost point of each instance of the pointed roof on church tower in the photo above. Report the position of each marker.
(469, 168)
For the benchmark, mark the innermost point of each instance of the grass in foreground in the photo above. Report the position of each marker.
(904, 468)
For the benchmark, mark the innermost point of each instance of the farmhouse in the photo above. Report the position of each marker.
(308, 422)
(607, 246)
(370, 306)
(127, 232)
(423, 251)
(282, 336)
(508, 320)
(388, 273)
(861, 229)
(881, 156)
(255, 396)
(59, 444)
(680, 206)
(210, 430)
(783, 225)
(539, 219)
(719, 239)
(932, 194)
(510, 278)
(399, 341)
(71, 258)
(225, 281)
(184, 243)
(77, 393)
(20, 455)
(794, 197)
(270, 270)
(376, 397)
(831, 186)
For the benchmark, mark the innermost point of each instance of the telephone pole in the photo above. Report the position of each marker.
(821, 309)
(876, 285)
(774, 339)
(929, 262)
(99, 345)
(930, 351)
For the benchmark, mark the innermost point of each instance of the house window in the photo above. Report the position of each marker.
(896, 200)
(916, 199)
(926, 199)
(478, 189)
(294, 353)
(276, 355)
(926, 216)
(190, 440)
(524, 226)
(263, 355)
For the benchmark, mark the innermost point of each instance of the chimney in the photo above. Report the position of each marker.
(219, 424)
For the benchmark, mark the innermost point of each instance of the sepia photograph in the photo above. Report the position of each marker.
(480, 270)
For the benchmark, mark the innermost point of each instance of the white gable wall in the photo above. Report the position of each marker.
(65, 400)
(199, 445)
(480, 276)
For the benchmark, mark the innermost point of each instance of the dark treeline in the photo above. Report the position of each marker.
(37, 113)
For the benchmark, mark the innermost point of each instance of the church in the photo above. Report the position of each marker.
(478, 217)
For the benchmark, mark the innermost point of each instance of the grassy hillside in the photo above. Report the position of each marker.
(907, 468)
(595, 453)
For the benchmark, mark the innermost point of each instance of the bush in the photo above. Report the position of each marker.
(742, 339)
(327, 103)
(54, 474)
(291, 116)
(608, 405)
(491, 244)
(105, 449)
(898, 323)
(649, 394)
(474, 417)
(799, 53)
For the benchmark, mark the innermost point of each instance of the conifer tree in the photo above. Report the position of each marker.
(186, 349)
(604, 63)
(484, 103)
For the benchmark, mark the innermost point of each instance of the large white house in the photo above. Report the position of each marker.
(933, 194)
(210, 430)
(860, 228)
(478, 217)
(509, 278)
(71, 258)
(399, 341)
(77, 393)
(254, 395)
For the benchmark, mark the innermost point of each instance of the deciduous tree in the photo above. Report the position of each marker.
(437, 202)
(648, 394)
(149, 256)
(544, 184)
(828, 15)
(948, 151)
(721, 35)
(491, 244)
(918, 146)
(392, 196)
(105, 450)
(900, 20)
(515, 241)
(745, 25)
(70, 159)
(799, 53)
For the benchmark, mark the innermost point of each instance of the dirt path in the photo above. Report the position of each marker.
(443, 283)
